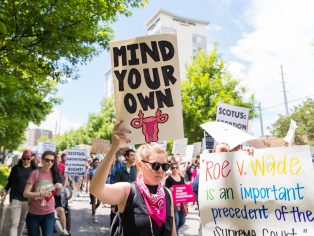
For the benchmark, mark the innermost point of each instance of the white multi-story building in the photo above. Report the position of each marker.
(191, 34)
(191, 37)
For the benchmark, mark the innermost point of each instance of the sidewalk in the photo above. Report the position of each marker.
(82, 224)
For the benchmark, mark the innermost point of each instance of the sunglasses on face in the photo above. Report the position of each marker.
(26, 159)
(175, 167)
(156, 165)
(49, 160)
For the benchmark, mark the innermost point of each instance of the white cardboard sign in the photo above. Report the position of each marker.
(222, 132)
(147, 89)
(75, 163)
(233, 115)
(270, 193)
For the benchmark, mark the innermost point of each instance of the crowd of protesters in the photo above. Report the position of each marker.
(138, 186)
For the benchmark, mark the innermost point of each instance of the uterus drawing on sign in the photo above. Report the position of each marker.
(149, 124)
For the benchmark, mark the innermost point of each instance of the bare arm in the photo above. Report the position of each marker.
(34, 195)
(114, 194)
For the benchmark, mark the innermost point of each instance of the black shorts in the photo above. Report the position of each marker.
(58, 201)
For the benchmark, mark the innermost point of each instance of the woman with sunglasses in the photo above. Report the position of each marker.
(40, 188)
(144, 206)
(16, 182)
(180, 210)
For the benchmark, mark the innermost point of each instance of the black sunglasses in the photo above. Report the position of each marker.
(156, 165)
(26, 159)
(49, 160)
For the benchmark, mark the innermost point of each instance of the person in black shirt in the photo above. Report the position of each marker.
(180, 210)
(16, 182)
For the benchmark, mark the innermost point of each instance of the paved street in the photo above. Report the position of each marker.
(83, 225)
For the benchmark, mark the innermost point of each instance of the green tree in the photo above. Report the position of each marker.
(99, 125)
(41, 44)
(303, 115)
(208, 82)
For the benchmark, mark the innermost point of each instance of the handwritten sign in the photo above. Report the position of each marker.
(45, 146)
(146, 78)
(76, 160)
(233, 115)
(268, 194)
(183, 193)
(197, 149)
(179, 146)
(100, 145)
(163, 144)
(188, 156)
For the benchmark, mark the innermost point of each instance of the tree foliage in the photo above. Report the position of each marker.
(41, 44)
(208, 82)
(303, 115)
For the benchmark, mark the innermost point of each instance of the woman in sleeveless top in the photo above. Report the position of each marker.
(144, 206)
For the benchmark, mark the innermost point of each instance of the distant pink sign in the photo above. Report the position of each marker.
(183, 193)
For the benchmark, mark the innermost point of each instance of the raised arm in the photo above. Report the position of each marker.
(113, 194)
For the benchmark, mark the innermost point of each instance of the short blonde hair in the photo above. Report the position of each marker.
(146, 150)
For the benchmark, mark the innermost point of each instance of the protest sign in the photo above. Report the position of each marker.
(188, 153)
(100, 145)
(182, 193)
(145, 73)
(197, 149)
(233, 115)
(289, 138)
(268, 194)
(223, 132)
(209, 141)
(76, 160)
(45, 146)
(179, 147)
(163, 144)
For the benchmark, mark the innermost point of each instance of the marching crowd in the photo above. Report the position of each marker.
(138, 187)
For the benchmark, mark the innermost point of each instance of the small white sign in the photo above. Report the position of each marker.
(222, 132)
(163, 144)
(233, 115)
(45, 146)
(188, 153)
(76, 160)
(290, 135)
(197, 149)
(179, 147)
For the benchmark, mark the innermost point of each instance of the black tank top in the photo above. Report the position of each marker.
(135, 219)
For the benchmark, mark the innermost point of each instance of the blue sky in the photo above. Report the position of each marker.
(255, 37)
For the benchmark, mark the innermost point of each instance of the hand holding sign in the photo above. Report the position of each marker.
(119, 136)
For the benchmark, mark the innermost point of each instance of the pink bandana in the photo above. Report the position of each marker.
(155, 203)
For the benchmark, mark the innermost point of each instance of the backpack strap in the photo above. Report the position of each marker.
(169, 218)
(116, 226)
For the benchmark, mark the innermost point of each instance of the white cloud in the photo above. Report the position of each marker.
(56, 121)
(282, 34)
